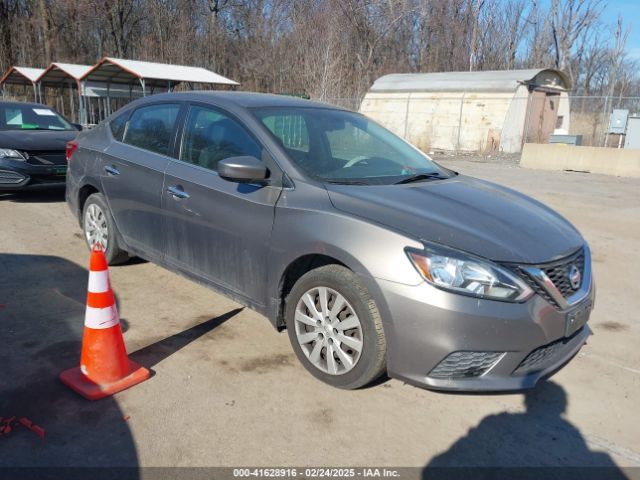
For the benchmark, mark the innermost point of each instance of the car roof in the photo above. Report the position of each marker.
(5, 103)
(241, 99)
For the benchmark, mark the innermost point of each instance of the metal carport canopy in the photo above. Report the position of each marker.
(59, 74)
(21, 75)
(149, 74)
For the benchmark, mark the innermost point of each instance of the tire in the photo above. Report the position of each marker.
(97, 213)
(302, 324)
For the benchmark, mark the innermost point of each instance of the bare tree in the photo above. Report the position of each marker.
(569, 19)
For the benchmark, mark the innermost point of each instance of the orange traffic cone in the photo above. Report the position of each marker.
(104, 367)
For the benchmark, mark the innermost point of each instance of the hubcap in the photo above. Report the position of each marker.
(328, 330)
(95, 227)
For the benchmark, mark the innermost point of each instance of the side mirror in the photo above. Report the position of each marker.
(78, 126)
(242, 169)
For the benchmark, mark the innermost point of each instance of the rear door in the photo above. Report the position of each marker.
(216, 229)
(133, 175)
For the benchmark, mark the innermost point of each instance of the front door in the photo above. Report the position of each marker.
(216, 229)
(133, 173)
(542, 116)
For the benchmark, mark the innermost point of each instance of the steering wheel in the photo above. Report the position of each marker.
(355, 161)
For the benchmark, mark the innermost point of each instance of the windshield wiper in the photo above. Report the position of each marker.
(422, 176)
(347, 182)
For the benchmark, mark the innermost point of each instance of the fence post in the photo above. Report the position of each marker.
(460, 121)
(406, 117)
(605, 109)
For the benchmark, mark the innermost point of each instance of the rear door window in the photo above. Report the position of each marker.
(152, 128)
(210, 136)
(118, 124)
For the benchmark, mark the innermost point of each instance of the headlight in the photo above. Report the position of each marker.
(463, 273)
(12, 154)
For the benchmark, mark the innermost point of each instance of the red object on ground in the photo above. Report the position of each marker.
(34, 428)
(6, 425)
(104, 367)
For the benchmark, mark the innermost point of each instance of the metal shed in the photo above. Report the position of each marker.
(472, 111)
(21, 76)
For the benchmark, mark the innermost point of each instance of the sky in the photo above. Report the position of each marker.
(630, 11)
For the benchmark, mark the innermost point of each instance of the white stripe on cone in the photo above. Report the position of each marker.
(101, 317)
(99, 281)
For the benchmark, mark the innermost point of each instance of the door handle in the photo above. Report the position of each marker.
(111, 170)
(177, 192)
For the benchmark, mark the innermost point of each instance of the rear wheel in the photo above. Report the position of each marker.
(335, 328)
(99, 229)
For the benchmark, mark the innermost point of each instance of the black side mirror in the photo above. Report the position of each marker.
(242, 169)
(78, 126)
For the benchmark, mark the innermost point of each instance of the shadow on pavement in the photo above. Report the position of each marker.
(509, 444)
(42, 303)
(153, 354)
(52, 195)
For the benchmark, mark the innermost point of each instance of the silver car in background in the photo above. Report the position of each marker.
(374, 258)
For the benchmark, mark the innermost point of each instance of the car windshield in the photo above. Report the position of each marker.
(31, 117)
(338, 146)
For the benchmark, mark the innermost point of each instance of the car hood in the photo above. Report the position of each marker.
(34, 140)
(465, 213)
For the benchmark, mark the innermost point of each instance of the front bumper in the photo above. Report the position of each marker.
(19, 175)
(492, 339)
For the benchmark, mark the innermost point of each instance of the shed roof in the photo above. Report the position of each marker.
(483, 81)
(21, 75)
(59, 73)
(117, 70)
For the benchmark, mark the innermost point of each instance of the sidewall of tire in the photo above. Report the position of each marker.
(372, 361)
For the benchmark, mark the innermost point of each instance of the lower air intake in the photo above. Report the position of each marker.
(465, 364)
(10, 178)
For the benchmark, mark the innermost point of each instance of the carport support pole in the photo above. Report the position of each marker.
(71, 103)
(81, 108)
(35, 93)
(108, 106)
(144, 91)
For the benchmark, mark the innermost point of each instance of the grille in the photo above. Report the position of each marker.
(558, 273)
(543, 356)
(539, 289)
(465, 364)
(55, 157)
(11, 178)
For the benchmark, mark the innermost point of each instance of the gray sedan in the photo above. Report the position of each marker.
(373, 257)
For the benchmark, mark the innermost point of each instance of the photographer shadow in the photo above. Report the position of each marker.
(538, 443)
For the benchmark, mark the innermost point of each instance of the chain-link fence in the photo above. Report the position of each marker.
(495, 121)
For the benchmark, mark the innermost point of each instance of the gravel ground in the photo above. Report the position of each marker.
(228, 390)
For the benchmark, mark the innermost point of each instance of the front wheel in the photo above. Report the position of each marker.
(99, 229)
(335, 328)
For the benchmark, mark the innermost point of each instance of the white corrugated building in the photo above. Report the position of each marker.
(472, 111)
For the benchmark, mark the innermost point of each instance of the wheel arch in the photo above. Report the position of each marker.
(83, 193)
(304, 263)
